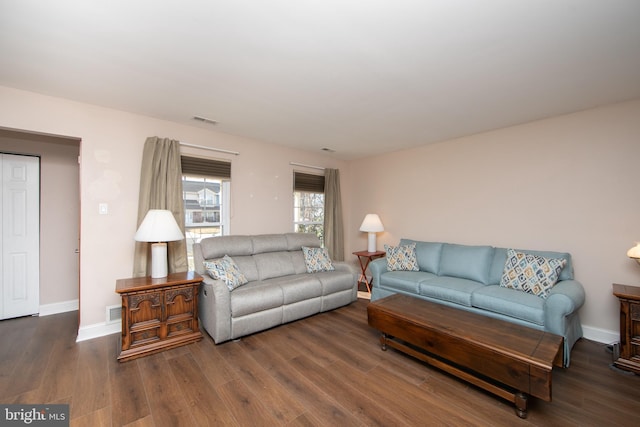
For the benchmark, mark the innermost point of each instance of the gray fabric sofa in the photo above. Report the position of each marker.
(468, 278)
(279, 289)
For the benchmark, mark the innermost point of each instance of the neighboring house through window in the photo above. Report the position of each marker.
(206, 188)
(308, 204)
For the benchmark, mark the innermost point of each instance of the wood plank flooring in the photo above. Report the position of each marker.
(326, 370)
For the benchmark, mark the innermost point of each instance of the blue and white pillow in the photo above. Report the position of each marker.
(402, 258)
(227, 270)
(530, 273)
(317, 259)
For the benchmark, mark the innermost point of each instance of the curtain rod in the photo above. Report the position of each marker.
(306, 166)
(202, 147)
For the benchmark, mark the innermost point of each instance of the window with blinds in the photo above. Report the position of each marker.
(308, 204)
(206, 186)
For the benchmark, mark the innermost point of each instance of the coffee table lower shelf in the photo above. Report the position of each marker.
(508, 360)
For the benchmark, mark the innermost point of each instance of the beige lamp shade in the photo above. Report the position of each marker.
(634, 252)
(372, 225)
(158, 226)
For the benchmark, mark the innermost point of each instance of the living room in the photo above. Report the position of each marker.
(564, 181)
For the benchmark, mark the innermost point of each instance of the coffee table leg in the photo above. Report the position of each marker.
(383, 341)
(521, 404)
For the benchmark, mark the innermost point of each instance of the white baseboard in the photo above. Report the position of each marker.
(97, 330)
(58, 307)
(604, 336)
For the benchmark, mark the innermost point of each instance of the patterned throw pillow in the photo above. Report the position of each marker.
(533, 274)
(402, 257)
(227, 270)
(317, 259)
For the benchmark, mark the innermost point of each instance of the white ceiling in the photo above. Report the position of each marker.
(361, 77)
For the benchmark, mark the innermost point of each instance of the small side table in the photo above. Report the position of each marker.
(367, 257)
(158, 314)
(629, 297)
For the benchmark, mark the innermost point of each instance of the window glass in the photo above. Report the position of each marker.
(308, 213)
(206, 209)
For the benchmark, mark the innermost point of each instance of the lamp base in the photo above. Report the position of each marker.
(372, 242)
(159, 260)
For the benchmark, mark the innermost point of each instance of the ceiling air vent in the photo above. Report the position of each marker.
(205, 120)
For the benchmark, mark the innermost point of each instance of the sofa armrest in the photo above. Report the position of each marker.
(347, 268)
(377, 267)
(564, 299)
(214, 309)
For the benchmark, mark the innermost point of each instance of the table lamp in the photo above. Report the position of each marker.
(634, 252)
(372, 225)
(158, 226)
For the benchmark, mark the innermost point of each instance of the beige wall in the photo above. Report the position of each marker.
(59, 213)
(568, 183)
(111, 152)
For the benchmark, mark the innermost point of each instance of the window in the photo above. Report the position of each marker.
(206, 193)
(308, 204)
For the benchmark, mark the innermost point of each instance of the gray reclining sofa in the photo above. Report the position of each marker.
(279, 288)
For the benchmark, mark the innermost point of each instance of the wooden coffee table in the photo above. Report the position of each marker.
(508, 360)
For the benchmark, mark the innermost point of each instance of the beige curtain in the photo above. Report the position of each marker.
(161, 188)
(333, 228)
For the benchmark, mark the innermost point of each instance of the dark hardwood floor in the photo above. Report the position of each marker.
(324, 370)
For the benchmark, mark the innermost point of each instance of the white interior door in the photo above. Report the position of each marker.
(20, 214)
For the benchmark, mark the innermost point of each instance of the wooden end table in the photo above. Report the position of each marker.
(367, 257)
(629, 297)
(158, 314)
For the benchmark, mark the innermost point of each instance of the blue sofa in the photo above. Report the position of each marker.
(468, 278)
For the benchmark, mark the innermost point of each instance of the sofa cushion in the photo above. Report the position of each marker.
(509, 302)
(225, 269)
(297, 287)
(273, 264)
(295, 241)
(466, 262)
(530, 273)
(219, 246)
(427, 254)
(404, 281)
(317, 259)
(401, 258)
(269, 243)
(297, 258)
(335, 281)
(247, 264)
(451, 289)
(254, 297)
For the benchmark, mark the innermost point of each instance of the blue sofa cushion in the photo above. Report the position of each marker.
(467, 262)
(403, 281)
(427, 254)
(509, 302)
(450, 289)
